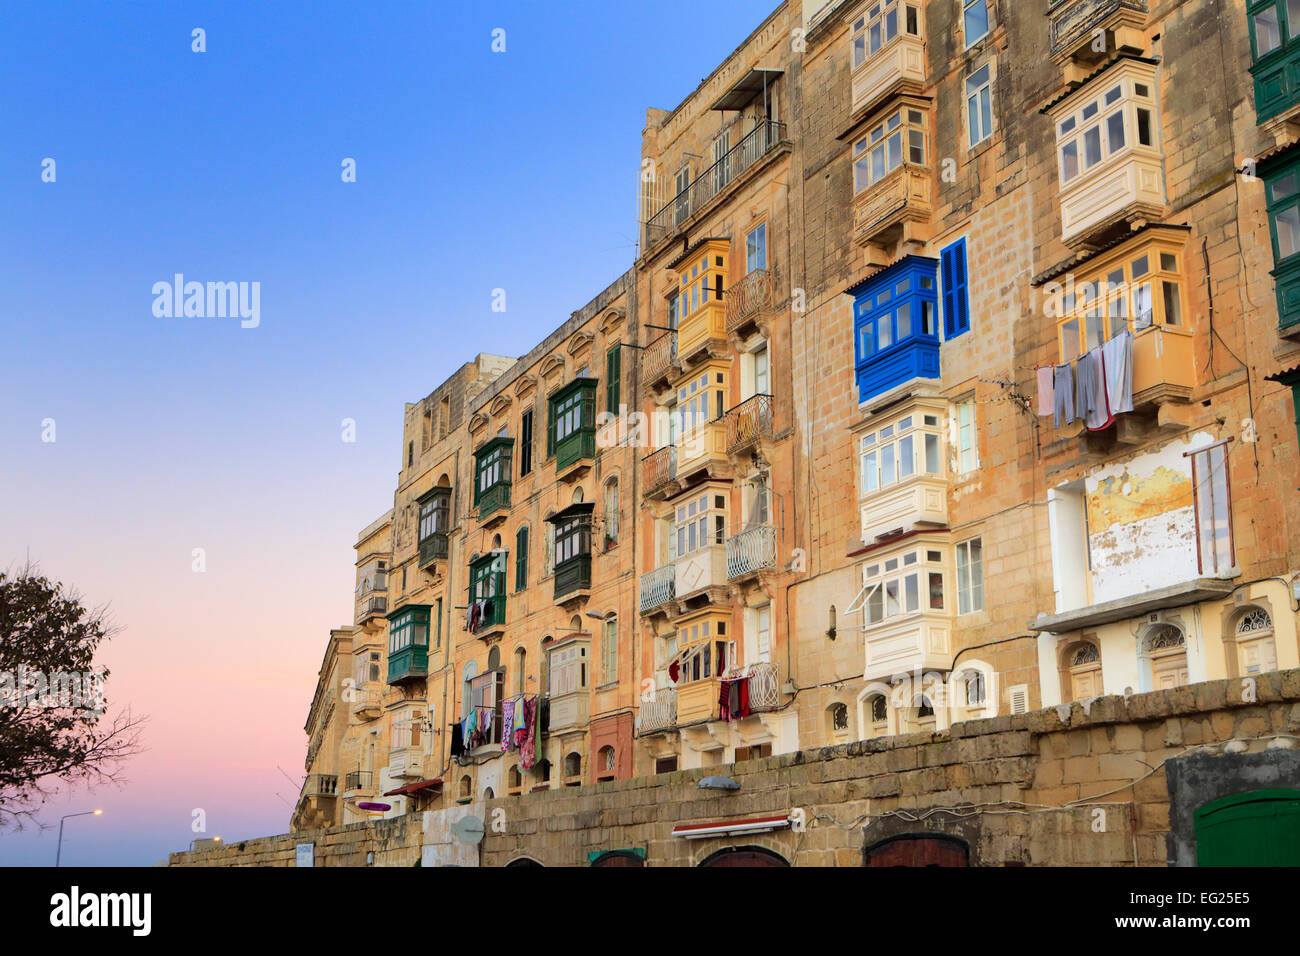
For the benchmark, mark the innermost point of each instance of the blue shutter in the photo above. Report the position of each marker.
(956, 307)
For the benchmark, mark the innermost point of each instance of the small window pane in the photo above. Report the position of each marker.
(1268, 31)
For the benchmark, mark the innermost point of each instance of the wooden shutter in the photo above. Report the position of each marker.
(956, 309)
(613, 379)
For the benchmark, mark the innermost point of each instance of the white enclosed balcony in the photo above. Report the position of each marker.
(901, 645)
(886, 51)
(915, 503)
(701, 569)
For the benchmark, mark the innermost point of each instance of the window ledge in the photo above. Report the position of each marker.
(1135, 605)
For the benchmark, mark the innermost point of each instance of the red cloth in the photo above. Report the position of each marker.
(674, 669)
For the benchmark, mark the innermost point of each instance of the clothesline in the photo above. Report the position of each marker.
(1094, 388)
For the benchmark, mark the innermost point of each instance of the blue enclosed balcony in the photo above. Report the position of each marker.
(896, 326)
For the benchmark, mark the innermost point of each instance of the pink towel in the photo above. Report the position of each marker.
(1046, 390)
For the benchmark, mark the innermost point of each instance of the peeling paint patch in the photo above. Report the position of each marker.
(1128, 497)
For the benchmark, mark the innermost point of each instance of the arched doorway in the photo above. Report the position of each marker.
(1164, 657)
(523, 861)
(618, 858)
(919, 849)
(1259, 828)
(1083, 670)
(1253, 637)
(744, 856)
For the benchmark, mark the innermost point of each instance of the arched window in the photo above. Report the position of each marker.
(514, 780)
(924, 709)
(496, 542)
(1256, 650)
(975, 687)
(837, 719)
(543, 770)
(521, 662)
(494, 659)
(605, 760)
(466, 787)
(875, 715)
(611, 513)
(577, 495)
(1164, 657)
(1082, 672)
(488, 794)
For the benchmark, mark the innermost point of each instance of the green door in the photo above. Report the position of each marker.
(1260, 828)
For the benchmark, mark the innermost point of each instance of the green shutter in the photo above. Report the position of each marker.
(550, 429)
(613, 379)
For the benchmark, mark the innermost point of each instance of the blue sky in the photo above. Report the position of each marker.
(475, 171)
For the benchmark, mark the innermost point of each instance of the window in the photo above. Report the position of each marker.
(762, 372)
(437, 627)
(1120, 117)
(573, 768)
(879, 710)
(444, 417)
(763, 642)
(609, 653)
(426, 430)
(408, 628)
(838, 717)
(568, 670)
(880, 25)
(1284, 213)
(975, 20)
(434, 523)
(956, 307)
(611, 513)
(706, 651)
(572, 412)
(896, 308)
(548, 552)
(701, 522)
(970, 576)
(694, 407)
(613, 379)
(1141, 289)
(1256, 650)
(367, 668)
(572, 538)
(410, 454)
(1273, 25)
(975, 689)
(756, 249)
(898, 139)
(1212, 498)
(903, 448)
(521, 558)
(493, 466)
(526, 443)
(904, 584)
(487, 576)
(1164, 657)
(968, 458)
(485, 694)
(979, 104)
(702, 284)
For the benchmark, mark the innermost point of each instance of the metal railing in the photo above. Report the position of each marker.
(749, 423)
(754, 145)
(320, 785)
(750, 296)
(358, 780)
(659, 358)
(764, 688)
(658, 468)
(659, 713)
(658, 587)
(752, 550)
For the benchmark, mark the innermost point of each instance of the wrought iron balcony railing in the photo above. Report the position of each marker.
(752, 550)
(658, 587)
(764, 687)
(753, 146)
(749, 297)
(749, 423)
(658, 469)
(659, 713)
(660, 357)
(358, 780)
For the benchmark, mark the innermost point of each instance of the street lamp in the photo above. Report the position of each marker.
(84, 813)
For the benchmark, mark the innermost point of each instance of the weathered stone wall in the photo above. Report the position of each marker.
(1080, 784)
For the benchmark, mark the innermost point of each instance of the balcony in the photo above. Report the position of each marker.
(702, 334)
(764, 686)
(907, 643)
(573, 577)
(751, 551)
(569, 711)
(912, 504)
(749, 424)
(759, 142)
(494, 502)
(358, 783)
(573, 414)
(491, 618)
(697, 700)
(1073, 25)
(658, 714)
(897, 208)
(433, 549)
(703, 448)
(659, 361)
(749, 299)
(406, 762)
(897, 67)
(659, 472)
(368, 705)
(410, 663)
(371, 607)
(700, 570)
(658, 588)
(320, 785)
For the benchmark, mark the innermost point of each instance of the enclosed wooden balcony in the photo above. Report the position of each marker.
(410, 663)
(1073, 26)
(697, 700)
(912, 504)
(908, 643)
(407, 762)
(704, 448)
(898, 66)
(433, 549)
(702, 334)
(371, 609)
(569, 711)
(368, 704)
(701, 570)
(1164, 367)
(896, 209)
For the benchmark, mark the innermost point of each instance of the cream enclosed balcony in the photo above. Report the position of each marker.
(368, 704)
(569, 711)
(702, 569)
(914, 503)
(896, 208)
(751, 551)
(1074, 27)
(704, 447)
(658, 714)
(658, 588)
(697, 700)
(1109, 160)
(407, 762)
(907, 643)
(897, 66)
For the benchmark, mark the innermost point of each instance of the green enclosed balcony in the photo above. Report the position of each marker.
(487, 594)
(492, 463)
(1275, 49)
(572, 550)
(435, 520)
(1281, 175)
(408, 644)
(573, 424)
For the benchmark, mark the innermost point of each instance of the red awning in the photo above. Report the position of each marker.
(414, 787)
(697, 831)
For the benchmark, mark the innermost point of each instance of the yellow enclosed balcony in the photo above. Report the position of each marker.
(701, 422)
(697, 701)
(701, 308)
(1109, 160)
(887, 51)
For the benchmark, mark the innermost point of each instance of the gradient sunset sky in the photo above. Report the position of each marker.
(475, 171)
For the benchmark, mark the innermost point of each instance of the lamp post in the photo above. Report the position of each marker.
(58, 853)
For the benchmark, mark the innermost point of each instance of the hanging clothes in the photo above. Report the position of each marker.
(1046, 390)
(485, 725)
(518, 723)
(674, 671)
(724, 699)
(507, 723)
(1118, 356)
(457, 740)
(528, 745)
(1064, 395)
(1098, 414)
